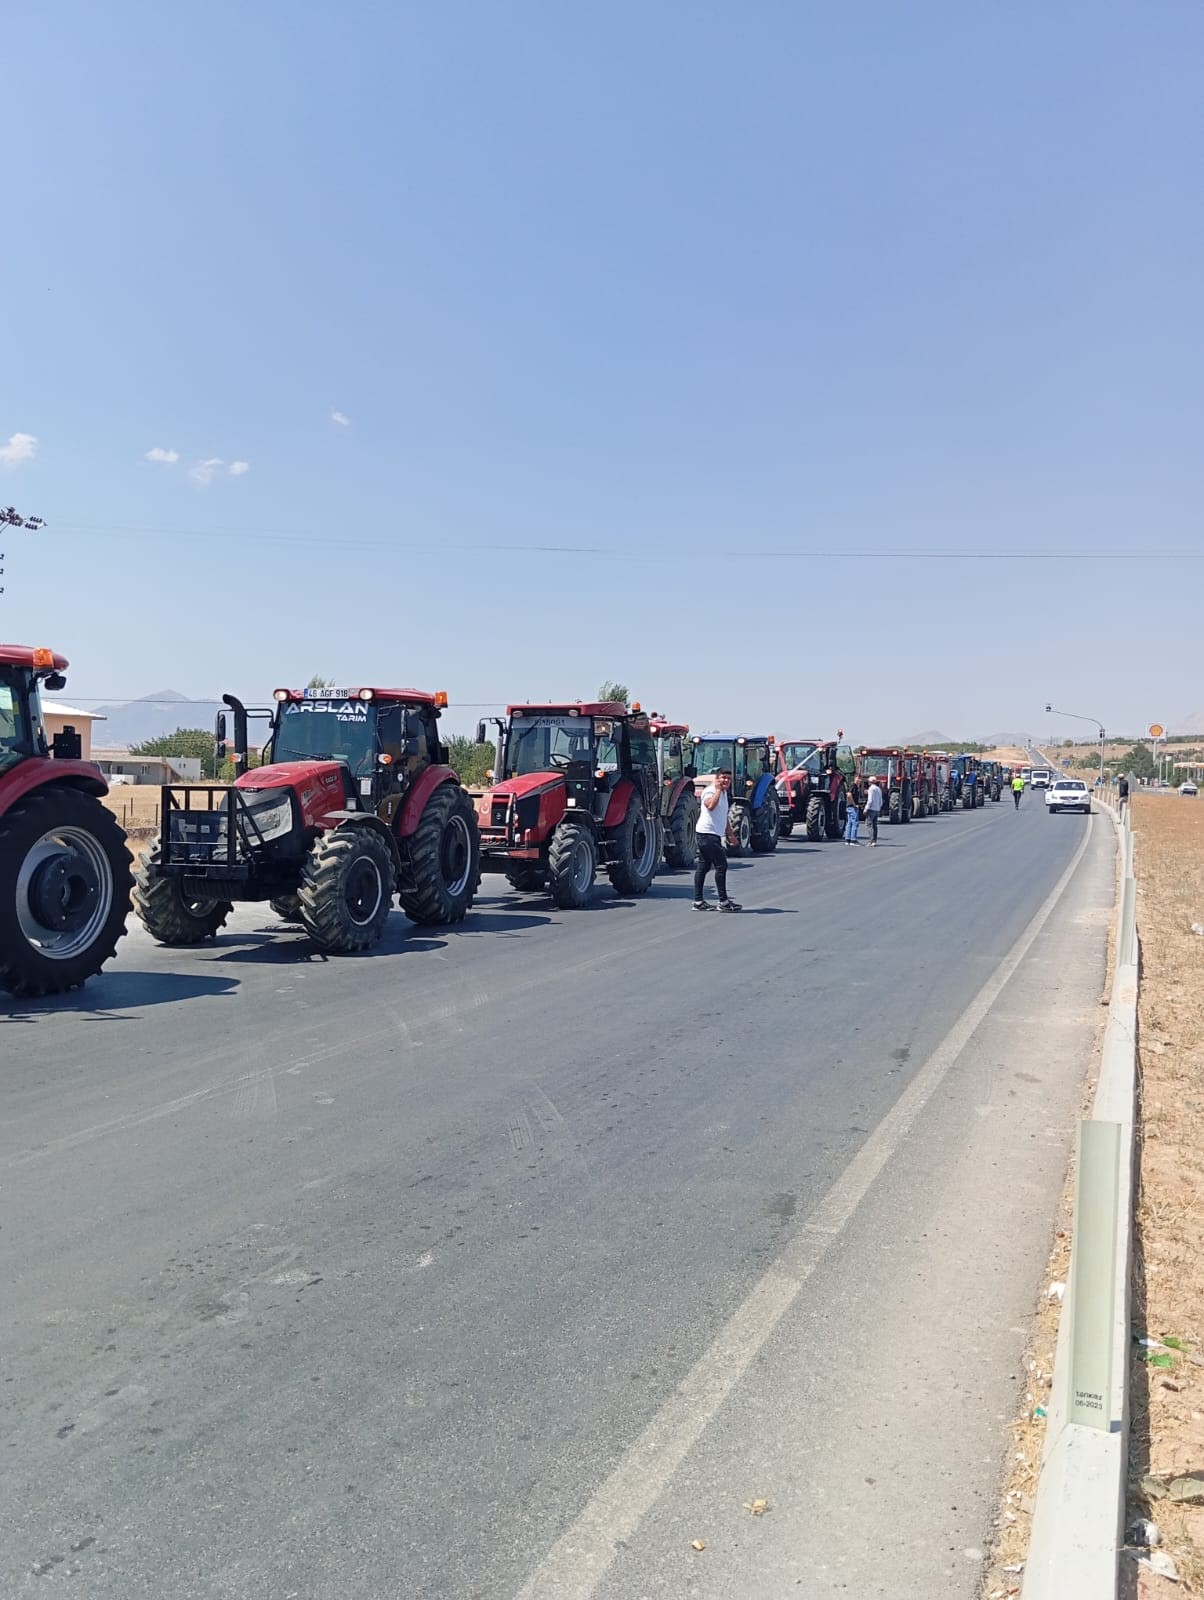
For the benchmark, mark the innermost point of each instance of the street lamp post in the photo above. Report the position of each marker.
(1078, 718)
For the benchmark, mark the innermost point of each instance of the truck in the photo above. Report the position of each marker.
(680, 805)
(65, 881)
(813, 778)
(355, 803)
(754, 812)
(895, 771)
(577, 788)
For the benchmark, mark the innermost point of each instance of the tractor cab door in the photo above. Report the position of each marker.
(846, 762)
(607, 764)
(18, 718)
(641, 765)
(672, 765)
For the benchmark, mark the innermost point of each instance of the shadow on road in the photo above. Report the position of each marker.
(120, 992)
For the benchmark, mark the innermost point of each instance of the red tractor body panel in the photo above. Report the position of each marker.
(573, 708)
(616, 808)
(417, 796)
(25, 655)
(415, 697)
(318, 786)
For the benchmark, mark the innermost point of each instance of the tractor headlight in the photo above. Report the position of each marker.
(271, 811)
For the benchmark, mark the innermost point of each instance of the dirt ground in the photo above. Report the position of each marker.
(1167, 1394)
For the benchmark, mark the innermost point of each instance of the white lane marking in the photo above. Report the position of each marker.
(577, 1562)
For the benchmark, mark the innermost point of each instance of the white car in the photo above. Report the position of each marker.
(1068, 794)
(1188, 788)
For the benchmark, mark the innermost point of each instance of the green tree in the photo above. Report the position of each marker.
(613, 691)
(1138, 761)
(183, 742)
(320, 683)
(470, 760)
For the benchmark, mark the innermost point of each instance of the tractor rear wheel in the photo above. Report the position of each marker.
(895, 806)
(526, 876)
(441, 859)
(167, 913)
(838, 817)
(681, 834)
(287, 907)
(816, 817)
(64, 890)
(637, 844)
(346, 889)
(967, 798)
(765, 824)
(740, 823)
(572, 864)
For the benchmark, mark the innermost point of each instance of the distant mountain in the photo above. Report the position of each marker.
(926, 741)
(135, 721)
(1192, 723)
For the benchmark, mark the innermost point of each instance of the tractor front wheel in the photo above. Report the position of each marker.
(638, 850)
(765, 824)
(64, 890)
(838, 817)
(895, 806)
(441, 859)
(785, 825)
(740, 824)
(572, 864)
(681, 835)
(526, 876)
(816, 818)
(167, 913)
(346, 889)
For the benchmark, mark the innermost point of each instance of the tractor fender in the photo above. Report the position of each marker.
(27, 776)
(764, 782)
(616, 806)
(344, 820)
(420, 792)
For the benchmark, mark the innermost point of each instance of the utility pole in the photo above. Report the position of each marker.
(10, 517)
(1079, 718)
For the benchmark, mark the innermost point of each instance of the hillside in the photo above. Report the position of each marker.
(133, 721)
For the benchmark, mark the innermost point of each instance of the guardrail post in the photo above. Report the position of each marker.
(1093, 1273)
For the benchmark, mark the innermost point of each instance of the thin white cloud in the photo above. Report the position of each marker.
(167, 457)
(20, 448)
(237, 468)
(342, 420)
(203, 471)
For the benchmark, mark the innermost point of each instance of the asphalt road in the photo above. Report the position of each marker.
(516, 1259)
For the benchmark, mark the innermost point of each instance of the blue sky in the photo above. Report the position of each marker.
(670, 342)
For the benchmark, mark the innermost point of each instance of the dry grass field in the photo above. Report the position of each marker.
(1168, 1283)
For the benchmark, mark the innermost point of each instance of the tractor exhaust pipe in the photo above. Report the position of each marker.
(241, 762)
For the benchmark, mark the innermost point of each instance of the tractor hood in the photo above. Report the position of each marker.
(299, 775)
(528, 783)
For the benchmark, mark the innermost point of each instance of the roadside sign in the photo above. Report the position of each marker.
(1156, 730)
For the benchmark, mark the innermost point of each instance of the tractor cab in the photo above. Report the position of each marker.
(754, 813)
(23, 674)
(679, 800)
(895, 771)
(813, 777)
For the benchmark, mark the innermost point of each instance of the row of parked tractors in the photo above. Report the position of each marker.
(355, 805)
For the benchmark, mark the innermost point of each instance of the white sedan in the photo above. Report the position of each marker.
(1068, 794)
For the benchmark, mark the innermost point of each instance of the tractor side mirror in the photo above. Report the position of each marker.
(481, 732)
(219, 728)
(691, 771)
(67, 745)
(55, 681)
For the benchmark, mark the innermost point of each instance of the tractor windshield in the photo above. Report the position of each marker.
(876, 766)
(328, 730)
(711, 754)
(541, 744)
(16, 737)
(803, 753)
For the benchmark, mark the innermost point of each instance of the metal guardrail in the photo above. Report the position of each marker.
(1078, 1518)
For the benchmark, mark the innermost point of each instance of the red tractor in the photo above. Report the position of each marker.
(578, 788)
(813, 786)
(355, 802)
(679, 798)
(895, 772)
(926, 800)
(64, 868)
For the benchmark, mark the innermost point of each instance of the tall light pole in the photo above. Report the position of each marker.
(1055, 712)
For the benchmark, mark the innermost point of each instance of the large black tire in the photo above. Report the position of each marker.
(740, 823)
(838, 816)
(765, 824)
(817, 816)
(967, 798)
(682, 831)
(287, 907)
(894, 805)
(167, 914)
(637, 846)
(785, 825)
(347, 889)
(528, 877)
(572, 863)
(907, 809)
(441, 859)
(64, 890)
